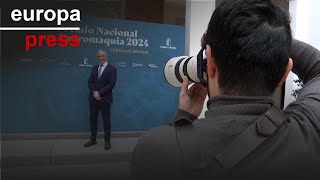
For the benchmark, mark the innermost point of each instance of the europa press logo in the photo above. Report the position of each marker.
(168, 44)
(46, 15)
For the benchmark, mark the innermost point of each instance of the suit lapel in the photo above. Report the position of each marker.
(96, 69)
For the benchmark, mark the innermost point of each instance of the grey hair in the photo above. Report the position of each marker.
(104, 52)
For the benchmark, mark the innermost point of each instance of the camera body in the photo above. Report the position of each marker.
(194, 67)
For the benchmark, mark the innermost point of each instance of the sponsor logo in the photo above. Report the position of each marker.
(137, 65)
(47, 60)
(153, 66)
(122, 64)
(85, 63)
(168, 44)
(25, 60)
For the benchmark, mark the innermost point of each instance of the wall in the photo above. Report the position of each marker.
(45, 90)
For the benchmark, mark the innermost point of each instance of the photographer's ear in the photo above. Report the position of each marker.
(286, 72)
(211, 62)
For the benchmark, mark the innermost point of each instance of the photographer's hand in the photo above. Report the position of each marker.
(191, 100)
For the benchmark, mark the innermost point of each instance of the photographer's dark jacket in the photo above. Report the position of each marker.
(188, 150)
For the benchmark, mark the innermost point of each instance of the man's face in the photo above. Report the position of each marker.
(101, 57)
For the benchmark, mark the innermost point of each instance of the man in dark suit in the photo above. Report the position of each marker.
(102, 80)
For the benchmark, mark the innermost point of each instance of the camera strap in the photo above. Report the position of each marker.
(252, 137)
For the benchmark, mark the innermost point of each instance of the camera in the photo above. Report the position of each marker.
(194, 67)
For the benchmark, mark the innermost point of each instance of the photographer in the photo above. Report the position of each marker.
(250, 52)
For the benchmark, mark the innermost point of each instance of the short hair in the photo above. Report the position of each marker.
(101, 50)
(250, 41)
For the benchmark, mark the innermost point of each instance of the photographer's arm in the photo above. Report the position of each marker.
(306, 61)
(183, 118)
(190, 102)
(307, 66)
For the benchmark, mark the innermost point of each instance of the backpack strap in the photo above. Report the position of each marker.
(252, 137)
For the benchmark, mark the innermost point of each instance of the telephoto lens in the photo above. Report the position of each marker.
(194, 67)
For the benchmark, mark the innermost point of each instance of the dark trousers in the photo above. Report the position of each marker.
(104, 108)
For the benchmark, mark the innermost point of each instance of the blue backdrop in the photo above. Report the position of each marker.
(45, 89)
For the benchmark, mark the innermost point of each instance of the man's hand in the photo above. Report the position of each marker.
(191, 100)
(96, 95)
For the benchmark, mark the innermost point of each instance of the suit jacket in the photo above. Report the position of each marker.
(104, 84)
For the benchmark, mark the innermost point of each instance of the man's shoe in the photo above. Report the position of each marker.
(90, 143)
(107, 146)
